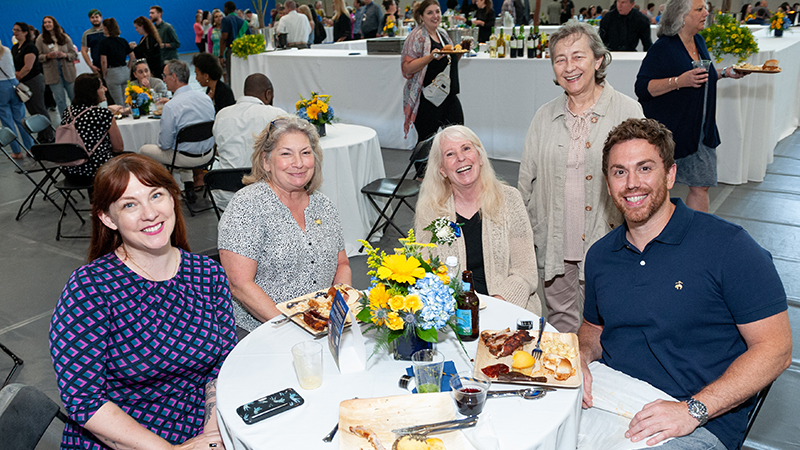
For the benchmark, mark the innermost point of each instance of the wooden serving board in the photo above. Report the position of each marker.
(483, 359)
(384, 414)
(300, 304)
(451, 52)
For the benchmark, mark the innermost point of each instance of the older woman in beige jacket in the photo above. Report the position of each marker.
(560, 174)
(496, 243)
(57, 53)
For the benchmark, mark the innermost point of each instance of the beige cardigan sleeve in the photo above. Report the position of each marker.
(517, 278)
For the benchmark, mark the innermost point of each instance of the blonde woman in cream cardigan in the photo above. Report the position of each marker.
(496, 242)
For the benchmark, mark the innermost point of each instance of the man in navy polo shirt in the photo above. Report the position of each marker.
(680, 299)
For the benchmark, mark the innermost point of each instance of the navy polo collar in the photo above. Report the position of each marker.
(673, 233)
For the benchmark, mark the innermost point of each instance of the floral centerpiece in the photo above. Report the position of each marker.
(390, 29)
(409, 299)
(138, 97)
(779, 22)
(249, 44)
(315, 110)
(727, 36)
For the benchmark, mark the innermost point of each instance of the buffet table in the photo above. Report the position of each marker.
(500, 97)
(261, 364)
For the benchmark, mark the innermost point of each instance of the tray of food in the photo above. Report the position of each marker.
(311, 311)
(505, 357)
(451, 50)
(367, 423)
(770, 66)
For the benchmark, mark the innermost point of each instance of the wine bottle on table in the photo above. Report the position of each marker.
(512, 43)
(501, 45)
(521, 42)
(545, 44)
(467, 310)
(531, 44)
(493, 45)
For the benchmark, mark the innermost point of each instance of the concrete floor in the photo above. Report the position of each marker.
(34, 268)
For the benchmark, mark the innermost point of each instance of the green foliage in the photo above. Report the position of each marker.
(249, 44)
(727, 36)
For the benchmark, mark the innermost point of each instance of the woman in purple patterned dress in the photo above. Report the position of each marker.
(140, 333)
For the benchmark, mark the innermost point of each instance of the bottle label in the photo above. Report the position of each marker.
(464, 322)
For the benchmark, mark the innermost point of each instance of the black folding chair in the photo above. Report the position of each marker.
(751, 418)
(396, 190)
(35, 124)
(49, 173)
(229, 180)
(194, 133)
(61, 154)
(25, 414)
(17, 363)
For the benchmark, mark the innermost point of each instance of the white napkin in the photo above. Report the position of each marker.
(483, 435)
(617, 397)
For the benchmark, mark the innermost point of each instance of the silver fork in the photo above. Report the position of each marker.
(287, 318)
(537, 352)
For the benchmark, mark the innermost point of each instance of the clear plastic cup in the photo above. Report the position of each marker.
(704, 64)
(428, 366)
(469, 392)
(307, 357)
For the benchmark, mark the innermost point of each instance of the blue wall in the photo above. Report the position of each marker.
(72, 15)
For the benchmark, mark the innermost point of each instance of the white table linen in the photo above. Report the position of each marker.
(262, 364)
(351, 160)
(137, 132)
(500, 97)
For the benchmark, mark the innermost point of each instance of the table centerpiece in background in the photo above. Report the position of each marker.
(316, 110)
(727, 36)
(139, 98)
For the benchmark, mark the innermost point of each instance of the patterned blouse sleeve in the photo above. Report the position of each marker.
(78, 332)
(242, 227)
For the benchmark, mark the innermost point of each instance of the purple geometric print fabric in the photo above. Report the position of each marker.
(149, 347)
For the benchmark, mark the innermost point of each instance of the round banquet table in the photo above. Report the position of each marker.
(137, 132)
(261, 364)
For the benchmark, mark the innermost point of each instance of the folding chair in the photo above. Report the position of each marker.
(6, 138)
(17, 363)
(396, 189)
(751, 418)
(25, 414)
(228, 180)
(34, 124)
(60, 154)
(194, 133)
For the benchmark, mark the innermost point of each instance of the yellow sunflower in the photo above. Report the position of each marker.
(378, 297)
(400, 269)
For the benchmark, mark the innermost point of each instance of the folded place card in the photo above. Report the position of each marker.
(348, 349)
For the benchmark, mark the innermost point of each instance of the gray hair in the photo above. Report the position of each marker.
(599, 50)
(672, 20)
(267, 141)
(180, 69)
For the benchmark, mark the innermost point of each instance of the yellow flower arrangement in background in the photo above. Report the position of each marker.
(249, 44)
(315, 109)
(727, 36)
(138, 97)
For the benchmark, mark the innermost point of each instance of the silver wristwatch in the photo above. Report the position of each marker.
(698, 410)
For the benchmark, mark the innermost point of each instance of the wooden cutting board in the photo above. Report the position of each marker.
(300, 304)
(483, 359)
(384, 414)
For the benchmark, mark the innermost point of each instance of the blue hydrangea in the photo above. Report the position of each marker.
(438, 304)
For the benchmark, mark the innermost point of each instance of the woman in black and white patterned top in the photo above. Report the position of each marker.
(96, 124)
(280, 238)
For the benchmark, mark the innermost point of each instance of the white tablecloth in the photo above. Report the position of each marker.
(351, 160)
(262, 364)
(137, 132)
(500, 97)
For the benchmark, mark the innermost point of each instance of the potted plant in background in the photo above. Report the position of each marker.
(727, 36)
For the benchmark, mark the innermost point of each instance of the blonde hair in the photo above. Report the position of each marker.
(340, 8)
(305, 10)
(436, 189)
(267, 141)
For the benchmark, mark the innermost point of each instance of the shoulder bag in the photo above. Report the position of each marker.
(439, 88)
(23, 92)
(68, 134)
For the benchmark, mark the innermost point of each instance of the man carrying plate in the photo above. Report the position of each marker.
(680, 299)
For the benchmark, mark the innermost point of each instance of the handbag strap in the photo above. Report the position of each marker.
(74, 120)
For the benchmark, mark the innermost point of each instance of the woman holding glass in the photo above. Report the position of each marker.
(496, 242)
(139, 376)
(560, 174)
(420, 65)
(149, 46)
(677, 85)
(280, 237)
(142, 77)
(57, 53)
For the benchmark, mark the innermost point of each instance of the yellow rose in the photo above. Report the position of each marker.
(396, 302)
(412, 303)
(394, 322)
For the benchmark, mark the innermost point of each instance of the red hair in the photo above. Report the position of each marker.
(111, 182)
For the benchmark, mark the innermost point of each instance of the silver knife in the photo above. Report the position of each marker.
(440, 426)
